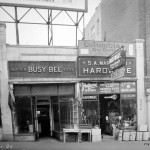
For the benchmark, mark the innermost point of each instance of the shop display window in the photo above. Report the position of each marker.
(66, 109)
(55, 108)
(90, 113)
(129, 113)
(23, 115)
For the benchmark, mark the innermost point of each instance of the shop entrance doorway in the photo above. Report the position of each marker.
(43, 120)
(109, 112)
(43, 116)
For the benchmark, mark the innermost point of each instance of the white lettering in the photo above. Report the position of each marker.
(89, 62)
(128, 70)
(85, 70)
(54, 69)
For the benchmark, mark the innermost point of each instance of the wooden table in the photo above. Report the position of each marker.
(70, 131)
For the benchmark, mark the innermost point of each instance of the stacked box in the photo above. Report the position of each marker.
(126, 135)
(145, 136)
(139, 136)
(132, 136)
(119, 137)
(96, 135)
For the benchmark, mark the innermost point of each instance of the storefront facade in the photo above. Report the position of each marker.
(47, 89)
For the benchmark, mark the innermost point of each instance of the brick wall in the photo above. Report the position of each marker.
(120, 20)
(147, 36)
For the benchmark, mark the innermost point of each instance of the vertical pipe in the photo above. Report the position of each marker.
(51, 40)
(76, 29)
(17, 30)
(83, 27)
(48, 27)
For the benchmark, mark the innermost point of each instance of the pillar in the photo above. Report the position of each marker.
(6, 113)
(141, 99)
(148, 108)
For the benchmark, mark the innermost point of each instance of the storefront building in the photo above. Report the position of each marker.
(46, 89)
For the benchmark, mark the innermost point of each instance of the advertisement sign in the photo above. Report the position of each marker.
(99, 67)
(32, 69)
(72, 5)
(90, 97)
(109, 88)
(127, 96)
(128, 87)
(118, 73)
(90, 88)
(99, 48)
(117, 59)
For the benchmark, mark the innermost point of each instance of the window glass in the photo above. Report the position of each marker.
(90, 113)
(93, 33)
(55, 108)
(129, 112)
(23, 115)
(66, 109)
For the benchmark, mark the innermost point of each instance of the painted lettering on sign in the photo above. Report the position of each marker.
(41, 69)
(127, 87)
(100, 48)
(89, 87)
(99, 67)
(90, 97)
(109, 88)
(117, 59)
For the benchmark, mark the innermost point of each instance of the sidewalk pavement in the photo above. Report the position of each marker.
(52, 144)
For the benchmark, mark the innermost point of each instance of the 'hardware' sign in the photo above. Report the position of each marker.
(99, 67)
(117, 59)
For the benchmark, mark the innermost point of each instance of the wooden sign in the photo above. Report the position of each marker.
(41, 69)
(117, 59)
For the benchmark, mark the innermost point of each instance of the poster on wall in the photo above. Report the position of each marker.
(90, 88)
(109, 88)
(128, 87)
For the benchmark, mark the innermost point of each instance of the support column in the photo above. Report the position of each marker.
(141, 99)
(148, 109)
(6, 113)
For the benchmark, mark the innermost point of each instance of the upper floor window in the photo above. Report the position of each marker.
(93, 33)
(98, 27)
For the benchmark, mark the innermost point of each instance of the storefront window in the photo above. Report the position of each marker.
(23, 115)
(129, 113)
(90, 113)
(55, 108)
(66, 109)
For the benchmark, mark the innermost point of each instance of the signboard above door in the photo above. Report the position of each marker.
(41, 69)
